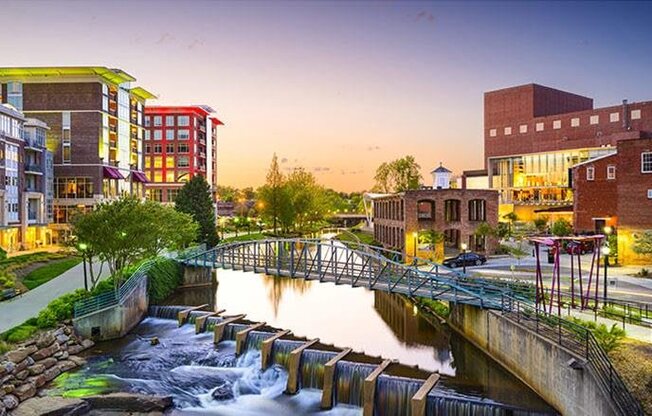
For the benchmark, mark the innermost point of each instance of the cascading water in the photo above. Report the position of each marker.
(349, 378)
(451, 404)
(312, 368)
(192, 316)
(255, 339)
(211, 322)
(281, 351)
(231, 330)
(394, 394)
(165, 312)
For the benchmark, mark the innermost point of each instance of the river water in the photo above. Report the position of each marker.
(208, 379)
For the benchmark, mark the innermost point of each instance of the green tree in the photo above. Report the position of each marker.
(541, 223)
(272, 196)
(435, 239)
(562, 227)
(195, 199)
(643, 243)
(122, 232)
(398, 175)
(511, 218)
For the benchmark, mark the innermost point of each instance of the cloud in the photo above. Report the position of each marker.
(196, 42)
(372, 148)
(425, 16)
(165, 37)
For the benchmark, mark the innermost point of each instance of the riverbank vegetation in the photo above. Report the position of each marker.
(11, 268)
(164, 276)
(195, 199)
(48, 272)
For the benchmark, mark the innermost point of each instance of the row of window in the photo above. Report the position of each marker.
(611, 173)
(170, 176)
(181, 134)
(556, 124)
(157, 194)
(169, 148)
(181, 162)
(477, 210)
(157, 121)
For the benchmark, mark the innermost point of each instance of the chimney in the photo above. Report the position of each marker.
(625, 116)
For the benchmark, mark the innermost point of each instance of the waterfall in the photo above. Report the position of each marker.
(211, 322)
(349, 378)
(312, 367)
(255, 339)
(456, 405)
(394, 394)
(231, 330)
(192, 316)
(281, 351)
(165, 312)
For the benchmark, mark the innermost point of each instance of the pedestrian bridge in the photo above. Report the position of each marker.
(362, 266)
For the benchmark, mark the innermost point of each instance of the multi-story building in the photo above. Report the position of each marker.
(534, 134)
(399, 220)
(95, 117)
(25, 177)
(180, 142)
(616, 191)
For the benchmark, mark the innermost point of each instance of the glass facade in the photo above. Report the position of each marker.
(538, 178)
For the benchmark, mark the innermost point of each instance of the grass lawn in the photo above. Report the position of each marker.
(246, 237)
(363, 237)
(49, 271)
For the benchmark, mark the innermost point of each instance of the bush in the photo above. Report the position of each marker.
(438, 307)
(20, 333)
(3, 254)
(165, 275)
(609, 339)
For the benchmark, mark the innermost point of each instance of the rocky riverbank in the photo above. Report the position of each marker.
(26, 369)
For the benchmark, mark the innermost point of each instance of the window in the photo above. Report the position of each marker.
(158, 135)
(73, 187)
(183, 162)
(649, 194)
(169, 176)
(148, 162)
(613, 117)
(522, 128)
(575, 122)
(158, 176)
(646, 162)
(158, 162)
(148, 121)
(172, 194)
(158, 121)
(169, 120)
(508, 131)
(590, 173)
(183, 120)
(452, 210)
(169, 134)
(169, 162)
(15, 95)
(183, 134)
(147, 134)
(611, 172)
(156, 195)
(492, 132)
(556, 124)
(539, 127)
(182, 148)
(157, 148)
(636, 114)
(169, 148)
(477, 210)
(594, 119)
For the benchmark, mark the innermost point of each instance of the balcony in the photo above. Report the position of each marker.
(33, 168)
(34, 144)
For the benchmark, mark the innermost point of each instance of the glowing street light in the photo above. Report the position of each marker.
(415, 236)
(83, 247)
(463, 246)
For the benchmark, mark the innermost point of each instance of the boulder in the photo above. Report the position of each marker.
(7, 367)
(61, 355)
(20, 354)
(46, 352)
(10, 401)
(38, 381)
(45, 340)
(3, 409)
(62, 339)
(8, 388)
(74, 349)
(36, 369)
(66, 365)
(59, 331)
(48, 362)
(52, 406)
(223, 392)
(23, 365)
(77, 360)
(25, 391)
(67, 330)
(131, 402)
(87, 343)
(22, 375)
(51, 373)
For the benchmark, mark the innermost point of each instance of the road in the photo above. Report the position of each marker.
(19, 309)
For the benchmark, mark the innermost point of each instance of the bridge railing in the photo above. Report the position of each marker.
(582, 342)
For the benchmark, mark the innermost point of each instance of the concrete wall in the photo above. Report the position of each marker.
(539, 363)
(115, 321)
(196, 276)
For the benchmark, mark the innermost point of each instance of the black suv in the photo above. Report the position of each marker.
(465, 259)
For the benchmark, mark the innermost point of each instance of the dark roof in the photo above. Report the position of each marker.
(441, 169)
(475, 172)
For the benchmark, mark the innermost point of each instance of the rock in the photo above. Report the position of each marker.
(36, 369)
(37, 381)
(77, 360)
(66, 365)
(51, 373)
(7, 367)
(23, 365)
(45, 340)
(223, 392)
(7, 379)
(59, 331)
(3, 409)
(61, 355)
(10, 401)
(25, 391)
(130, 402)
(154, 341)
(52, 406)
(46, 352)
(62, 339)
(22, 375)
(75, 349)
(20, 354)
(87, 343)
(8, 388)
(48, 362)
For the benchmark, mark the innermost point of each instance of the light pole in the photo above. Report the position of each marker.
(605, 250)
(415, 236)
(82, 248)
(463, 246)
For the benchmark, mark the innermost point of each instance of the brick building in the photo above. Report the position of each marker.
(616, 191)
(95, 118)
(534, 134)
(400, 219)
(180, 142)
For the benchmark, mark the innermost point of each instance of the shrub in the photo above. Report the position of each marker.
(438, 307)
(20, 333)
(609, 338)
(164, 276)
(3, 254)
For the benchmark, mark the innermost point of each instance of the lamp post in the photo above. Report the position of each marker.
(415, 236)
(605, 250)
(463, 246)
(82, 248)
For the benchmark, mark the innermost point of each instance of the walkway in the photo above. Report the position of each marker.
(19, 309)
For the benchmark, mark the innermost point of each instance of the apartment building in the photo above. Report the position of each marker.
(95, 115)
(180, 142)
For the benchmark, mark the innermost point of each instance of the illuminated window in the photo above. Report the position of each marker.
(156, 195)
(594, 119)
(148, 162)
(169, 134)
(522, 128)
(183, 120)
(575, 122)
(646, 162)
(183, 134)
(158, 176)
(169, 120)
(614, 117)
(508, 131)
(158, 162)
(590, 173)
(556, 124)
(636, 114)
(183, 176)
(611, 172)
(539, 127)
(492, 132)
(169, 162)
(169, 176)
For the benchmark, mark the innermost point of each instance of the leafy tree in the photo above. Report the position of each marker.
(643, 243)
(398, 175)
(122, 232)
(484, 230)
(562, 227)
(435, 239)
(541, 223)
(511, 218)
(271, 195)
(195, 199)
(227, 193)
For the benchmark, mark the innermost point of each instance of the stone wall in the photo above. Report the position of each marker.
(25, 370)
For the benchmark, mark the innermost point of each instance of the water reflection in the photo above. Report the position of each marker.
(277, 286)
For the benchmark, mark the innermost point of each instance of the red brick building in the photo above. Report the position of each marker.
(616, 191)
(180, 142)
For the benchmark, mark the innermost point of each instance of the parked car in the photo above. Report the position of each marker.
(465, 259)
(579, 247)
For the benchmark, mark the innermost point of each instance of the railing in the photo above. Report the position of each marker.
(33, 167)
(114, 297)
(582, 342)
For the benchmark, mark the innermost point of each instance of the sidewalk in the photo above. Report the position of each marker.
(19, 309)
(637, 332)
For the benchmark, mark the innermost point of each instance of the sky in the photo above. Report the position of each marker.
(339, 87)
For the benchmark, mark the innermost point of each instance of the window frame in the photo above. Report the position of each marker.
(590, 173)
(644, 162)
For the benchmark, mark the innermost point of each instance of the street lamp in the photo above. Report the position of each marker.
(463, 246)
(605, 250)
(415, 236)
(82, 248)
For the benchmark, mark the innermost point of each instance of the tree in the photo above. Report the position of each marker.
(541, 223)
(271, 195)
(195, 199)
(398, 175)
(435, 239)
(511, 218)
(562, 227)
(125, 231)
(643, 243)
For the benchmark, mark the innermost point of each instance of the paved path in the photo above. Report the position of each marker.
(19, 309)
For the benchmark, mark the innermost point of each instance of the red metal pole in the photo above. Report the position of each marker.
(588, 286)
(539, 286)
(572, 278)
(579, 270)
(558, 281)
(597, 274)
(552, 285)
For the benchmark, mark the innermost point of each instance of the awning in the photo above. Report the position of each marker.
(112, 173)
(138, 176)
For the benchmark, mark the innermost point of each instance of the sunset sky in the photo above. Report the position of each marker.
(340, 87)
